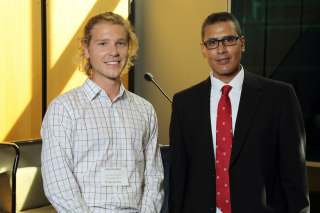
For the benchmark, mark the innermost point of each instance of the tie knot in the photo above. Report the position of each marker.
(226, 89)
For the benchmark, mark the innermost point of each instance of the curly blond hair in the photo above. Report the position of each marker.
(109, 17)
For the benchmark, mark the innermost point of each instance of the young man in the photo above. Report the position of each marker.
(237, 140)
(100, 151)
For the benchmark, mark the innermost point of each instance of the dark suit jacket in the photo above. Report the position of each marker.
(267, 167)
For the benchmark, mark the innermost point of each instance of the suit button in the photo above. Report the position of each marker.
(212, 209)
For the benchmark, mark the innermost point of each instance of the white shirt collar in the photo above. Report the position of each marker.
(236, 82)
(91, 90)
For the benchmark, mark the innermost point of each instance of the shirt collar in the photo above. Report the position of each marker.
(92, 90)
(236, 82)
(123, 93)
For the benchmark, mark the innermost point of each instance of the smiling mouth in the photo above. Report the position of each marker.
(112, 62)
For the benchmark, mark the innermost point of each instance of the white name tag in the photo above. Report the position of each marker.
(114, 176)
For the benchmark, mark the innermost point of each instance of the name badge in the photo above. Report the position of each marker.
(114, 176)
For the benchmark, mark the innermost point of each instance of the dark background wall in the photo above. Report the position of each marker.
(282, 43)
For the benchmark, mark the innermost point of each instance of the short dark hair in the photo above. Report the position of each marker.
(220, 17)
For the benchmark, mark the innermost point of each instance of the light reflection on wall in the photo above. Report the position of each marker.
(20, 58)
(20, 69)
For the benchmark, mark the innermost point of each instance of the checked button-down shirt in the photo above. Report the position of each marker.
(82, 132)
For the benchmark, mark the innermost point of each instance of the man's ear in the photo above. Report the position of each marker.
(242, 40)
(85, 50)
(203, 51)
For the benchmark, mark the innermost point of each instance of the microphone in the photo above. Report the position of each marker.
(149, 77)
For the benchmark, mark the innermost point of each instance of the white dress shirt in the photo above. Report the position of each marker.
(215, 96)
(82, 132)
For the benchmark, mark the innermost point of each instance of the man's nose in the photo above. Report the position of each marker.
(113, 50)
(221, 48)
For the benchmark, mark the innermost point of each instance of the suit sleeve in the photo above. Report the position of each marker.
(292, 151)
(178, 163)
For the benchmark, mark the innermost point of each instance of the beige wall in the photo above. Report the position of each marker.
(169, 36)
(20, 70)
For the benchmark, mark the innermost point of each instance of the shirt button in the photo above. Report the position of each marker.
(212, 209)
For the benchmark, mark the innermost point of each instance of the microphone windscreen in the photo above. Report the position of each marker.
(148, 76)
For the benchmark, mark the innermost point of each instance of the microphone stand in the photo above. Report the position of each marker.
(149, 77)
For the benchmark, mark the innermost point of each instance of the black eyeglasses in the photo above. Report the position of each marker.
(226, 41)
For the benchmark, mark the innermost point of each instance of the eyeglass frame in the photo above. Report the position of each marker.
(205, 43)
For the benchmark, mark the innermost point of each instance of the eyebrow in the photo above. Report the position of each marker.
(222, 38)
(120, 39)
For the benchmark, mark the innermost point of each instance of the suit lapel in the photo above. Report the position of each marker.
(203, 121)
(249, 102)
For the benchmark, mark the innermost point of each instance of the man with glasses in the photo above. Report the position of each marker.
(237, 140)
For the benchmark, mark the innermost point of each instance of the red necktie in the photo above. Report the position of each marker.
(223, 150)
